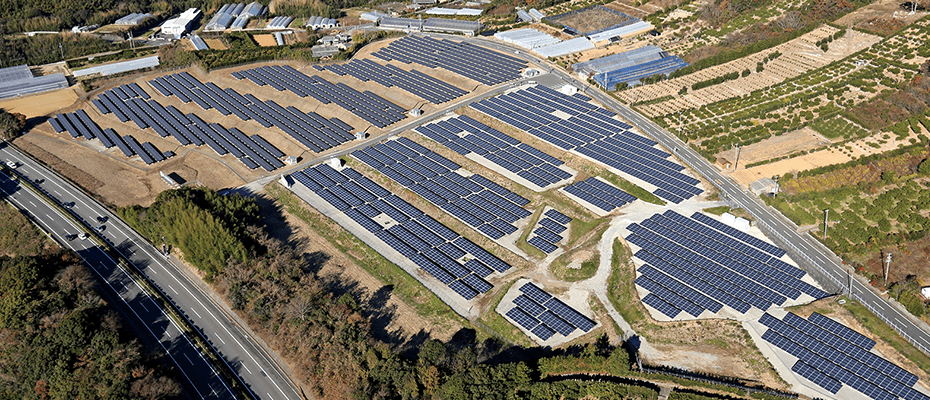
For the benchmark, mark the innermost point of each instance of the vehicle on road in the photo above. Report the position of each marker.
(68, 204)
(11, 164)
(70, 237)
(83, 235)
(102, 219)
(38, 181)
(100, 228)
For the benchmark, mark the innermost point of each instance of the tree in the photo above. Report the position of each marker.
(11, 124)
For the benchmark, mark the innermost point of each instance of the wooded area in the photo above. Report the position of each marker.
(58, 338)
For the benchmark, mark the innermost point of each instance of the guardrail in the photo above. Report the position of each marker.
(231, 379)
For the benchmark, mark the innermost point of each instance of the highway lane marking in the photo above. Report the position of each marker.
(192, 363)
(195, 312)
(242, 363)
(172, 289)
(107, 281)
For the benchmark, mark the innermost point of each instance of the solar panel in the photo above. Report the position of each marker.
(522, 318)
(528, 305)
(660, 305)
(543, 332)
(553, 321)
(535, 293)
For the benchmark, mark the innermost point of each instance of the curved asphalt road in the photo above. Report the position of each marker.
(195, 372)
(252, 363)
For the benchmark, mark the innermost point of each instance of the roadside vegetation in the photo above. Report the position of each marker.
(61, 339)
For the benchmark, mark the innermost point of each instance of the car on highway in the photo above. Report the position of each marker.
(68, 204)
(83, 235)
(100, 228)
(11, 164)
(70, 237)
(38, 181)
(102, 219)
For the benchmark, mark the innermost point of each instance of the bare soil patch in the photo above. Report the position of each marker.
(41, 104)
(791, 142)
(265, 40)
(215, 44)
(590, 20)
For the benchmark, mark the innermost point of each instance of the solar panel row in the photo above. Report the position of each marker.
(571, 123)
(366, 105)
(464, 135)
(450, 258)
(79, 124)
(477, 63)
(548, 231)
(600, 194)
(480, 203)
(694, 267)
(127, 104)
(544, 315)
(830, 360)
(417, 83)
(309, 129)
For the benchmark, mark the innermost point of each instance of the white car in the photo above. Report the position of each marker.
(11, 164)
(83, 235)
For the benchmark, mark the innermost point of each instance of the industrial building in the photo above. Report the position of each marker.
(452, 26)
(18, 81)
(374, 16)
(630, 66)
(526, 38)
(401, 24)
(177, 27)
(471, 12)
(622, 32)
(563, 48)
(132, 19)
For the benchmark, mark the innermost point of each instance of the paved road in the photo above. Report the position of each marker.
(813, 256)
(195, 372)
(249, 360)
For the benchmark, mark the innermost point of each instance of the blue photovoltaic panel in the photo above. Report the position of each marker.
(556, 323)
(463, 290)
(541, 244)
(570, 315)
(475, 282)
(522, 318)
(535, 293)
(661, 306)
(813, 375)
(543, 332)
(528, 305)
(838, 329)
(418, 237)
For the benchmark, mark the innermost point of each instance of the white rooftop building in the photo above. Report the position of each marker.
(178, 26)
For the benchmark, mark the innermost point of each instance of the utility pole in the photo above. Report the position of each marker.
(775, 190)
(826, 218)
(887, 267)
(736, 163)
(62, 50)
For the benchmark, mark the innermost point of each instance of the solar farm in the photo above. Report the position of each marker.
(480, 192)
(826, 354)
(699, 265)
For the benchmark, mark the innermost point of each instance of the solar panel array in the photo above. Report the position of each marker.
(464, 135)
(831, 358)
(600, 194)
(79, 124)
(477, 63)
(544, 315)
(549, 231)
(593, 132)
(692, 267)
(477, 201)
(417, 83)
(309, 129)
(366, 105)
(131, 103)
(452, 259)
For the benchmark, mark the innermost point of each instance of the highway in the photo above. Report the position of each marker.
(195, 372)
(253, 363)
